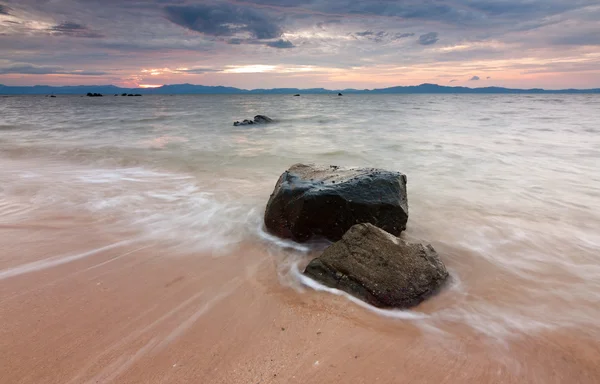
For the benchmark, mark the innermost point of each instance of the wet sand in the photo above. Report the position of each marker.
(116, 309)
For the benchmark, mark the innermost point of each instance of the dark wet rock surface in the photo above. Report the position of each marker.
(327, 201)
(379, 268)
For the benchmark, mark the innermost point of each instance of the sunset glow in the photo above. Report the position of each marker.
(297, 43)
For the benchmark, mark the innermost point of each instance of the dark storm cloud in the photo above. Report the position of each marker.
(224, 19)
(4, 10)
(68, 27)
(30, 69)
(365, 33)
(377, 37)
(381, 36)
(280, 44)
(474, 78)
(73, 29)
(428, 38)
(456, 12)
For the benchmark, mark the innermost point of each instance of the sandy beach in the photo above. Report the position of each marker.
(139, 312)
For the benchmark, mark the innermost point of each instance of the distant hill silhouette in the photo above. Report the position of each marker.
(190, 89)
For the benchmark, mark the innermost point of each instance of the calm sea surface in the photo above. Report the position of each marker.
(506, 188)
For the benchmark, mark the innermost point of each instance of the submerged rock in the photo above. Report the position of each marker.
(313, 200)
(379, 268)
(258, 119)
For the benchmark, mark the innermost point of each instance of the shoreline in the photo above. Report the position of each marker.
(149, 315)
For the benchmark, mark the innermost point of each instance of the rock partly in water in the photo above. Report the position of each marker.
(90, 94)
(258, 119)
(340, 94)
(297, 94)
(311, 200)
(245, 122)
(379, 268)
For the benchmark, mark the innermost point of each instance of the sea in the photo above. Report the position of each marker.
(505, 187)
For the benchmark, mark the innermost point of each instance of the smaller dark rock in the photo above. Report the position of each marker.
(123, 94)
(52, 96)
(137, 95)
(262, 119)
(258, 119)
(90, 94)
(297, 94)
(379, 268)
(339, 94)
(130, 95)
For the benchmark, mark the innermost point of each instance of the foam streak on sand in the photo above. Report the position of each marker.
(56, 261)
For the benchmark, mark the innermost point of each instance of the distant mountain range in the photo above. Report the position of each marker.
(190, 89)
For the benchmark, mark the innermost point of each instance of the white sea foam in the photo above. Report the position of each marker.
(56, 261)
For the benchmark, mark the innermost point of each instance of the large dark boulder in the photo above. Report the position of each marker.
(379, 268)
(310, 200)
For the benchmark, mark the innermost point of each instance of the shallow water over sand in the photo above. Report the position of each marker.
(132, 236)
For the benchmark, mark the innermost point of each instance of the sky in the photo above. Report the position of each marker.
(332, 44)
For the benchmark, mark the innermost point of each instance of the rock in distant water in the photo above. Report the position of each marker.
(379, 268)
(339, 94)
(258, 119)
(297, 94)
(90, 94)
(245, 122)
(313, 200)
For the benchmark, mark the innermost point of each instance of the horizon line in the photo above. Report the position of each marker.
(153, 87)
